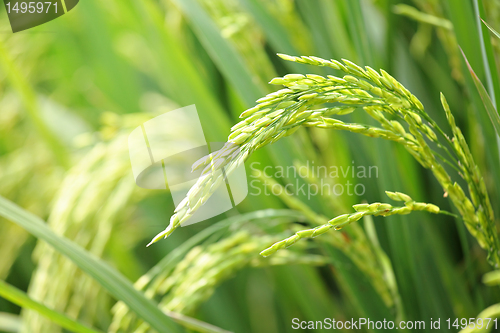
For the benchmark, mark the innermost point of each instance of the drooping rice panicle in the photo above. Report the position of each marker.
(400, 114)
(352, 242)
(196, 277)
(375, 209)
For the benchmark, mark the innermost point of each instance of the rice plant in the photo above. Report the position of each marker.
(283, 112)
(420, 242)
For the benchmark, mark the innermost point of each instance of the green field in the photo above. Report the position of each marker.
(312, 241)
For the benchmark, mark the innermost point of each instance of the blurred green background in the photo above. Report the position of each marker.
(72, 90)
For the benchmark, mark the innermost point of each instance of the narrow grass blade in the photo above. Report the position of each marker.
(358, 30)
(314, 298)
(462, 15)
(358, 288)
(336, 29)
(185, 83)
(488, 104)
(30, 101)
(277, 35)
(221, 51)
(496, 33)
(385, 264)
(488, 55)
(20, 298)
(313, 16)
(108, 277)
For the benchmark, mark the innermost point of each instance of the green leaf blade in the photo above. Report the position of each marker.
(488, 104)
(496, 33)
(110, 279)
(20, 298)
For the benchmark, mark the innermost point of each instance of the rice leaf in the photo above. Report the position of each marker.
(491, 29)
(110, 279)
(463, 16)
(488, 55)
(221, 51)
(278, 36)
(488, 104)
(20, 298)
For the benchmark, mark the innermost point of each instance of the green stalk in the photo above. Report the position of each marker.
(105, 275)
(20, 298)
(487, 54)
(29, 98)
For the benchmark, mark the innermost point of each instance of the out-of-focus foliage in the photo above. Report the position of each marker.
(74, 88)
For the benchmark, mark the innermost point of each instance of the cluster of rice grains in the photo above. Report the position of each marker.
(402, 119)
(375, 209)
(94, 198)
(354, 242)
(195, 277)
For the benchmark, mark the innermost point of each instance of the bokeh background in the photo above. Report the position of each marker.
(73, 89)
